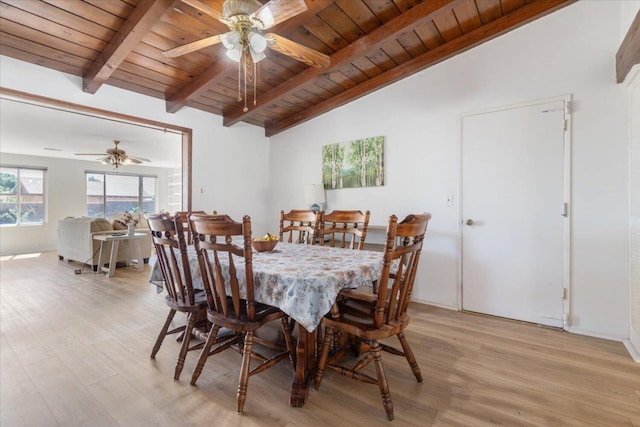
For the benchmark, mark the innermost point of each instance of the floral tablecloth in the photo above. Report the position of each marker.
(301, 280)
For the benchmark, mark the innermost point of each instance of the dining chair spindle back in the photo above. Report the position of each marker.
(185, 223)
(168, 239)
(344, 229)
(370, 317)
(227, 274)
(300, 226)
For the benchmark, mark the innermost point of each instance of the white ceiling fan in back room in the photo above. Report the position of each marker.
(116, 157)
(245, 42)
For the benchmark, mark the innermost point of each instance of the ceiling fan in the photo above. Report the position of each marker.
(116, 157)
(245, 42)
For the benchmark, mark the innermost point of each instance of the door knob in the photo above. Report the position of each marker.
(469, 222)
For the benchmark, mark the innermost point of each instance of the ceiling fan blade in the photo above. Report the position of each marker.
(205, 9)
(276, 11)
(88, 154)
(191, 47)
(130, 159)
(297, 51)
(138, 159)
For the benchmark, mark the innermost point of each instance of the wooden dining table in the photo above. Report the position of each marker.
(303, 281)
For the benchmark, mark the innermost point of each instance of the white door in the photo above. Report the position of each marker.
(513, 194)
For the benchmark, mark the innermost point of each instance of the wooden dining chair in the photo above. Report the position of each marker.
(227, 274)
(185, 223)
(300, 226)
(168, 239)
(344, 229)
(375, 316)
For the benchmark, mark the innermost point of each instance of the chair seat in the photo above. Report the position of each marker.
(238, 322)
(357, 317)
(200, 303)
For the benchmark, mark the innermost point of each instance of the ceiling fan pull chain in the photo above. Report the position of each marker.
(244, 58)
(255, 83)
(239, 75)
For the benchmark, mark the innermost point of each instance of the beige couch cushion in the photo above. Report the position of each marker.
(119, 225)
(142, 221)
(101, 224)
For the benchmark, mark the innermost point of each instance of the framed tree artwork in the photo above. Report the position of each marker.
(358, 163)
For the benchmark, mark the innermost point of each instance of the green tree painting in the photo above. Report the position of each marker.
(358, 163)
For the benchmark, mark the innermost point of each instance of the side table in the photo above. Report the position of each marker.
(114, 240)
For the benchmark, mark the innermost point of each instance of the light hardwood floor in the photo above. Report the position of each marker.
(75, 351)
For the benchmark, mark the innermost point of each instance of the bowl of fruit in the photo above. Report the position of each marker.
(265, 243)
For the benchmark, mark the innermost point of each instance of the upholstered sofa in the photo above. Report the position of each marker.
(76, 242)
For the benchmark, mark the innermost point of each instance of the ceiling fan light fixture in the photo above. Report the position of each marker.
(256, 56)
(230, 40)
(116, 157)
(239, 7)
(235, 53)
(257, 42)
(266, 17)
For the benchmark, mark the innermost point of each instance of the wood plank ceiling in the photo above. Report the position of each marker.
(371, 43)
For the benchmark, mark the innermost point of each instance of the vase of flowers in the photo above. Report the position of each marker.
(130, 221)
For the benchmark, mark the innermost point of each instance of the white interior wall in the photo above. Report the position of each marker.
(230, 165)
(628, 11)
(65, 196)
(633, 83)
(571, 51)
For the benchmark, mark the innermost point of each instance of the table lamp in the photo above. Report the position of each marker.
(314, 196)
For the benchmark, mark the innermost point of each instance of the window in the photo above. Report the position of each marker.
(115, 193)
(21, 196)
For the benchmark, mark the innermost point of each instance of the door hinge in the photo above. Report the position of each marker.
(565, 125)
(564, 293)
(565, 210)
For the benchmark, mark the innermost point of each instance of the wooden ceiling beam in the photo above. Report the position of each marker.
(519, 17)
(629, 53)
(218, 71)
(132, 31)
(199, 84)
(399, 25)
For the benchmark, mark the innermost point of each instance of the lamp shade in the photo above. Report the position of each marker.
(314, 194)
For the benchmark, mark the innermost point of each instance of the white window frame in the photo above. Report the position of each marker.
(104, 183)
(19, 222)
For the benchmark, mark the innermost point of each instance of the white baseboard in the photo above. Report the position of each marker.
(633, 351)
(610, 337)
(435, 304)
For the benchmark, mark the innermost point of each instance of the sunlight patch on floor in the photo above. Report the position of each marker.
(21, 256)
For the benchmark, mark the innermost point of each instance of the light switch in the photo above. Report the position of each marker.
(448, 200)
